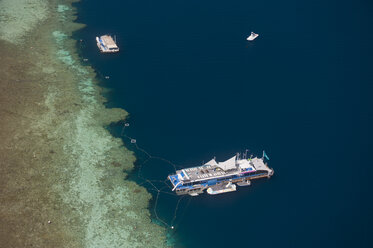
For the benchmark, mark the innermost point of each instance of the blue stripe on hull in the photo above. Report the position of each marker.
(215, 181)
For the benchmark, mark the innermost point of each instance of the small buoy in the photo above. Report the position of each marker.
(133, 141)
(172, 227)
(126, 124)
(49, 221)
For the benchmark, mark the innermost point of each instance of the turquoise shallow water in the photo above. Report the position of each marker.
(195, 89)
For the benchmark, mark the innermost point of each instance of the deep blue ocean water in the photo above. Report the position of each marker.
(195, 88)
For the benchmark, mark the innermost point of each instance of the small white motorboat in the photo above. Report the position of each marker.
(222, 188)
(252, 36)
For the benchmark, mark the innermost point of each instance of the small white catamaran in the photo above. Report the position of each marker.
(107, 44)
(252, 36)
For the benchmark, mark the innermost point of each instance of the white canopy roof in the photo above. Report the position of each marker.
(229, 164)
(245, 164)
(212, 162)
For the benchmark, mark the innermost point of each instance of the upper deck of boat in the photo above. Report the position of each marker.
(207, 171)
(108, 42)
(203, 172)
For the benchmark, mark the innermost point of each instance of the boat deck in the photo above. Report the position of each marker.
(213, 174)
(107, 44)
(213, 171)
(203, 172)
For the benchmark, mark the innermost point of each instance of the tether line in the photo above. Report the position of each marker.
(152, 183)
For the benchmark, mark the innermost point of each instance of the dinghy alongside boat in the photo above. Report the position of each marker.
(221, 188)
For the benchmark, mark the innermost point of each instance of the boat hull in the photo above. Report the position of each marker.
(220, 190)
(220, 177)
(194, 191)
(252, 37)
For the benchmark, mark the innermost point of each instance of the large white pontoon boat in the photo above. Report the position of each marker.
(107, 44)
(220, 177)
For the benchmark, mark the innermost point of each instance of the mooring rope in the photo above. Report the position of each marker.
(183, 213)
(177, 207)
(152, 183)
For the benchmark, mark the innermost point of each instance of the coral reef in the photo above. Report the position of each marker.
(62, 173)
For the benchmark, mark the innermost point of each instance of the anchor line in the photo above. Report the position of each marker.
(177, 207)
(155, 211)
(148, 154)
(164, 192)
(152, 183)
(183, 213)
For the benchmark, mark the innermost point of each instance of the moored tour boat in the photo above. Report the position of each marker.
(107, 44)
(220, 177)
